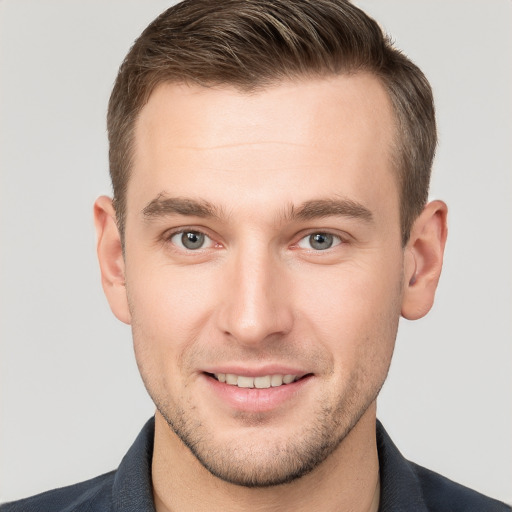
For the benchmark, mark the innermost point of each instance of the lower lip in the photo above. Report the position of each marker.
(254, 399)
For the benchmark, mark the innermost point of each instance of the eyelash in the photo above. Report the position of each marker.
(170, 235)
(337, 240)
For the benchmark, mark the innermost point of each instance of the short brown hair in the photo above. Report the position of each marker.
(252, 44)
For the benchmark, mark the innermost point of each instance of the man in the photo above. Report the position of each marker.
(270, 163)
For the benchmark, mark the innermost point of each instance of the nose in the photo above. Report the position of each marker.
(256, 303)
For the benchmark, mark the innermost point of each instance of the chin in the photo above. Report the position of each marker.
(258, 456)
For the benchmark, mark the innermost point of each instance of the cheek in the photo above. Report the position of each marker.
(164, 323)
(169, 307)
(352, 293)
(354, 311)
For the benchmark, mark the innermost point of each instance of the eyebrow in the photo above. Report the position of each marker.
(163, 206)
(319, 208)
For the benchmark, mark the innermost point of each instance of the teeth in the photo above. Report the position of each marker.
(231, 379)
(263, 382)
(276, 380)
(245, 382)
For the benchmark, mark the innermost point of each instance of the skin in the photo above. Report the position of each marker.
(258, 175)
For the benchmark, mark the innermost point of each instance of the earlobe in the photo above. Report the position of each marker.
(424, 260)
(110, 256)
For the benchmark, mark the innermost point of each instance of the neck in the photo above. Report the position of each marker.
(347, 480)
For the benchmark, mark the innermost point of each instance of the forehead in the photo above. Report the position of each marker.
(310, 137)
(309, 109)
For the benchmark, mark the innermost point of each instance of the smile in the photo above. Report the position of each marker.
(263, 382)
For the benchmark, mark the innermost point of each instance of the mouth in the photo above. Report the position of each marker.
(259, 382)
(257, 391)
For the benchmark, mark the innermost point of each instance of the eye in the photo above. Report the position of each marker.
(191, 240)
(319, 241)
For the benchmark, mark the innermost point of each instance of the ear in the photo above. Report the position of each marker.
(424, 260)
(110, 256)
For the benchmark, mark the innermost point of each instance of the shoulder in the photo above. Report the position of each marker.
(128, 488)
(94, 494)
(443, 495)
(407, 486)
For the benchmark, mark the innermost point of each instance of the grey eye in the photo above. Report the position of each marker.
(319, 241)
(190, 240)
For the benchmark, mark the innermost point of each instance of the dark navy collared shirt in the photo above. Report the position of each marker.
(405, 486)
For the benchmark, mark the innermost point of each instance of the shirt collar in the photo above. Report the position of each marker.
(132, 490)
(400, 490)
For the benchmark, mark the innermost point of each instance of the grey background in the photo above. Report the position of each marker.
(71, 399)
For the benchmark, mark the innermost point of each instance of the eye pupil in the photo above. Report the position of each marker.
(192, 239)
(321, 241)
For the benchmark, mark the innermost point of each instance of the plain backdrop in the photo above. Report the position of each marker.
(71, 398)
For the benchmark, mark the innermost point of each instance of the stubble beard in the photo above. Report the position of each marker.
(274, 462)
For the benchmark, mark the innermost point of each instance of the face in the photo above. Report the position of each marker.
(263, 268)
